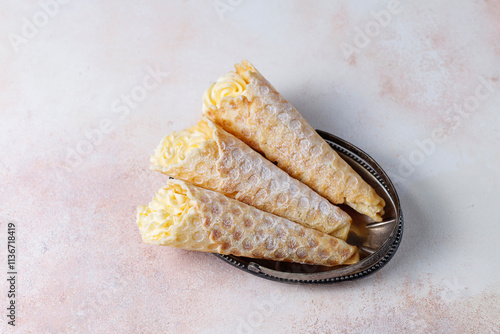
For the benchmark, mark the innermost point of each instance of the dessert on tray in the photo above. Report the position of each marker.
(207, 156)
(246, 105)
(228, 196)
(186, 216)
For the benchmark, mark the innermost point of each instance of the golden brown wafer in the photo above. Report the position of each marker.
(207, 156)
(185, 216)
(246, 105)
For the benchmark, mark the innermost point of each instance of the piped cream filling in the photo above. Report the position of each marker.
(167, 208)
(228, 86)
(176, 146)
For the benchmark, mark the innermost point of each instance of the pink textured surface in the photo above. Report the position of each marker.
(82, 266)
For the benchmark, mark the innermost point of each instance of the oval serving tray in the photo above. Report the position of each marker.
(377, 242)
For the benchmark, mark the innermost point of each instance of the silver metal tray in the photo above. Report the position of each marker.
(377, 242)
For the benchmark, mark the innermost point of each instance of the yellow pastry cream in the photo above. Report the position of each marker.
(165, 210)
(230, 85)
(175, 147)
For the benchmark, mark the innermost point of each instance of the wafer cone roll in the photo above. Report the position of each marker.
(211, 158)
(247, 105)
(185, 216)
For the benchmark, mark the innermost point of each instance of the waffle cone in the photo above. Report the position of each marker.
(252, 110)
(186, 216)
(225, 164)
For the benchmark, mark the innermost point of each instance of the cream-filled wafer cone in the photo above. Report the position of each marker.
(207, 156)
(245, 104)
(189, 217)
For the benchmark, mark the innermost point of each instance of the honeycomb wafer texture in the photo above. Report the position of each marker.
(221, 162)
(185, 216)
(251, 109)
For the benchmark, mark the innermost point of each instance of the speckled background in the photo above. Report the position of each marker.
(72, 190)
